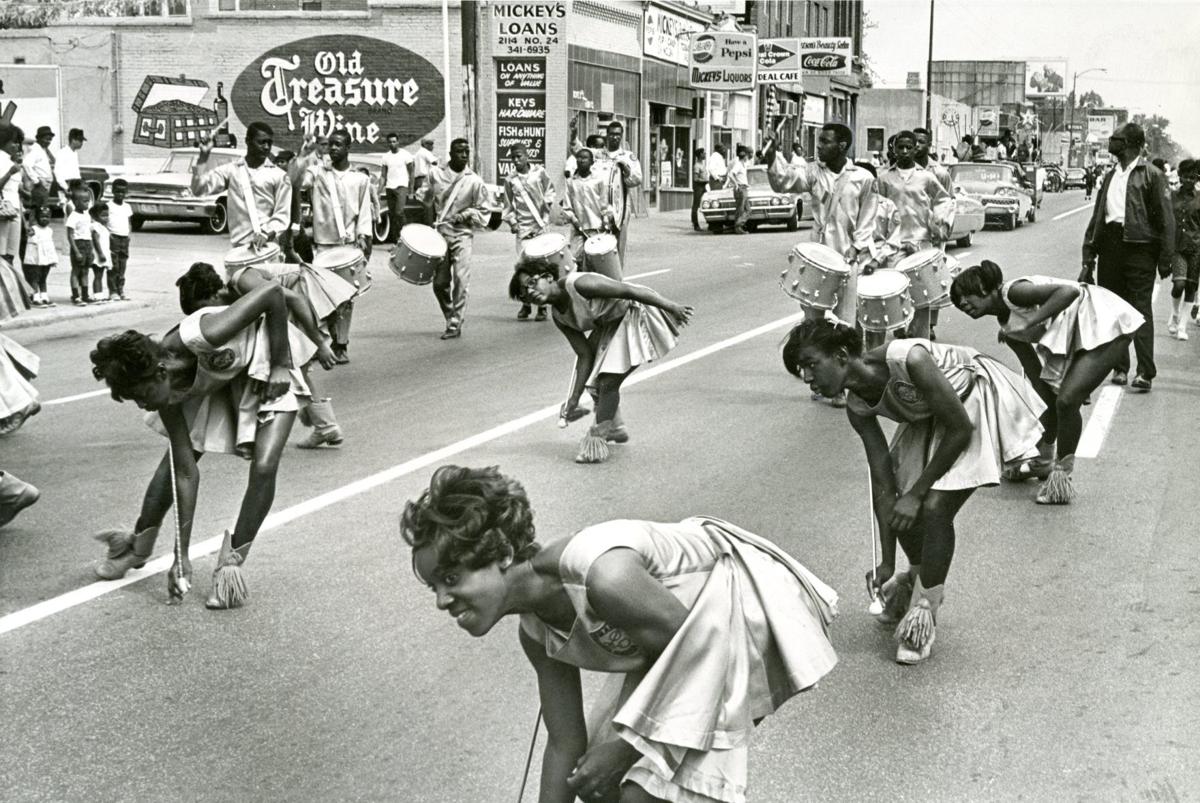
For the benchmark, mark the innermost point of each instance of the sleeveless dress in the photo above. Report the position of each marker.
(630, 333)
(222, 409)
(1002, 406)
(756, 634)
(18, 365)
(1096, 317)
(324, 289)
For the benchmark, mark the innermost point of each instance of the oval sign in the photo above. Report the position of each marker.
(317, 85)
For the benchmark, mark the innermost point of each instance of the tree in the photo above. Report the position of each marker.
(1158, 141)
(1090, 100)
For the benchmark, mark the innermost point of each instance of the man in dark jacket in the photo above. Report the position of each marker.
(1132, 231)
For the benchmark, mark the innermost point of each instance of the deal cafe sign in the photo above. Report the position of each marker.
(314, 86)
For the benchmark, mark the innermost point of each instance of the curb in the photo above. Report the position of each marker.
(68, 312)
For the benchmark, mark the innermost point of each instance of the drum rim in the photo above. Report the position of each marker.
(402, 242)
(864, 282)
(913, 260)
(800, 250)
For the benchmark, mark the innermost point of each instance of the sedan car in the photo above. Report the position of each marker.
(766, 205)
(1074, 178)
(998, 187)
(167, 194)
(969, 218)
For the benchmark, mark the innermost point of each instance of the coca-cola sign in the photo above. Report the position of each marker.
(826, 55)
(366, 86)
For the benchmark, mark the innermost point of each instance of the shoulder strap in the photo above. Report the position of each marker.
(333, 187)
(533, 209)
(247, 188)
(453, 197)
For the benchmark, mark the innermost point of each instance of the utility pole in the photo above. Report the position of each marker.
(1071, 99)
(929, 76)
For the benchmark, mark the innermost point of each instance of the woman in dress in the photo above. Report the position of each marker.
(712, 627)
(310, 307)
(613, 327)
(963, 418)
(1068, 336)
(219, 377)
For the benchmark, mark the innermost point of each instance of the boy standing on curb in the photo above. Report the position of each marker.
(120, 229)
(103, 262)
(79, 236)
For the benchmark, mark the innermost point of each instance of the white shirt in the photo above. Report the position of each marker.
(569, 168)
(79, 226)
(736, 176)
(66, 166)
(397, 168)
(717, 167)
(37, 166)
(118, 218)
(423, 161)
(1114, 205)
(41, 238)
(12, 187)
(797, 159)
(103, 244)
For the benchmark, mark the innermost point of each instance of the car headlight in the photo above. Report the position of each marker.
(1007, 191)
(706, 204)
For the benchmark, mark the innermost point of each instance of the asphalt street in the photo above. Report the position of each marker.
(1064, 667)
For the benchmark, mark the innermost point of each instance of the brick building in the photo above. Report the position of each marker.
(139, 85)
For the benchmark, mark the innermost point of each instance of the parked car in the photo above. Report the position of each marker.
(1074, 178)
(167, 194)
(766, 205)
(968, 218)
(998, 187)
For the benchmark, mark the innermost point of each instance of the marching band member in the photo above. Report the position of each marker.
(613, 328)
(190, 380)
(1067, 335)
(528, 195)
(922, 157)
(342, 214)
(707, 627)
(631, 176)
(926, 209)
(844, 208)
(963, 418)
(456, 202)
(259, 195)
(589, 203)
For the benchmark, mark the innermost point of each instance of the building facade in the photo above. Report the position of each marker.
(883, 112)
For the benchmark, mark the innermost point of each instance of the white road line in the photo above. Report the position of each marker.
(161, 564)
(77, 397)
(94, 393)
(1071, 212)
(1104, 410)
(644, 275)
(961, 256)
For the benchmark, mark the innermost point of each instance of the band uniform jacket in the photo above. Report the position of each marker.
(844, 205)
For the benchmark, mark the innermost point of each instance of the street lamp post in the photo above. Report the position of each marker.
(1071, 124)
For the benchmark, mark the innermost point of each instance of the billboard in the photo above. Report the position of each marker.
(1100, 127)
(826, 55)
(1045, 78)
(665, 35)
(779, 61)
(725, 61)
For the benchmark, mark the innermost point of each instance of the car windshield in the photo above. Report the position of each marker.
(982, 174)
(182, 161)
(758, 178)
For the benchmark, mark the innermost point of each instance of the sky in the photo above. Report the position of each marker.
(1151, 50)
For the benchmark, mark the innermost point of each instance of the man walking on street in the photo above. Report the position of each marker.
(397, 169)
(737, 180)
(528, 195)
(1132, 232)
(589, 202)
(631, 176)
(259, 195)
(457, 205)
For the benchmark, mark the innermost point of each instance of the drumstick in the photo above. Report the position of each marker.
(876, 606)
(213, 132)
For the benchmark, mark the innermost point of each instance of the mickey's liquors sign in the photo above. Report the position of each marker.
(366, 86)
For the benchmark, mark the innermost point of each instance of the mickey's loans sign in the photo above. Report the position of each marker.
(366, 86)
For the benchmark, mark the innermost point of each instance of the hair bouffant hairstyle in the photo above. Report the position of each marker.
(200, 283)
(826, 336)
(471, 517)
(977, 280)
(125, 361)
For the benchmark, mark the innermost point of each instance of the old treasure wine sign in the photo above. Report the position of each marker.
(367, 86)
(826, 55)
(723, 60)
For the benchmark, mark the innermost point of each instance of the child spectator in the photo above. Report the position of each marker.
(120, 215)
(103, 261)
(41, 257)
(83, 254)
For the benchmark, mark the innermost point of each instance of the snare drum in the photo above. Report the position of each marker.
(929, 285)
(550, 249)
(347, 262)
(816, 276)
(600, 256)
(244, 256)
(884, 303)
(418, 254)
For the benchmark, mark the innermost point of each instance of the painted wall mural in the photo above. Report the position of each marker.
(169, 114)
(367, 86)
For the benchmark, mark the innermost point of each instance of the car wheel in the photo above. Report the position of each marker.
(1011, 223)
(716, 228)
(218, 221)
(1032, 216)
(383, 228)
(136, 222)
(97, 191)
(793, 222)
(964, 242)
(751, 226)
